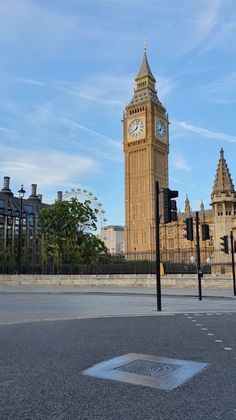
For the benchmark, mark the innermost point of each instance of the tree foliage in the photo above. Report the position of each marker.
(67, 236)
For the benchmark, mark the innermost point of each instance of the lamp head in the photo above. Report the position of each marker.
(21, 192)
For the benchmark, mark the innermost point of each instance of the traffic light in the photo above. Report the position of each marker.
(169, 205)
(188, 229)
(224, 244)
(205, 232)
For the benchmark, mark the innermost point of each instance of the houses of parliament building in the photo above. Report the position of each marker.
(146, 149)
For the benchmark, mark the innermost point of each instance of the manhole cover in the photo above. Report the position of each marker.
(143, 369)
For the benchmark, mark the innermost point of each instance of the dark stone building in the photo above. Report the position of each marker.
(19, 228)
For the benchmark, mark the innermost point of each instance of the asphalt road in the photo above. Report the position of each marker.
(41, 365)
(41, 360)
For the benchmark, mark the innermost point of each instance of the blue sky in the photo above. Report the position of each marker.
(67, 70)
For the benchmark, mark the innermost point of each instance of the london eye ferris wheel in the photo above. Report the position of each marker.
(83, 195)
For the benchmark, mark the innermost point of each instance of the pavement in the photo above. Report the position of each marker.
(49, 336)
(26, 304)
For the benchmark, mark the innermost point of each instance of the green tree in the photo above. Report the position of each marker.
(67, 233)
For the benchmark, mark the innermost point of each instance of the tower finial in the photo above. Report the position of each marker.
(145, 47)
(221, 152)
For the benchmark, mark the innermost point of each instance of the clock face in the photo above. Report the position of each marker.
(136, 127)
(160, 129)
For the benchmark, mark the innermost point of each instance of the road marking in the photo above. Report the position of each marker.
(205, 329)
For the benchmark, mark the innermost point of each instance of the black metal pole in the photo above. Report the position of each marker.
(233, 264)
(158, 276)
(19, 239)
(199, 273)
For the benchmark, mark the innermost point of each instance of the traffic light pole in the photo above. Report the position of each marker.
(233, 264)
(158, 274)
(199, 273)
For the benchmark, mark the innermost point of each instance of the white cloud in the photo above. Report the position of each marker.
(105, 88)
(179, 162)
(100, 100)
(203, 132)
(18, 18)
(93, 132)
(224, 36)
(6, 130)
(164, 87)
(42, 114)
(46, 167)
(221, 90)
(31, 82)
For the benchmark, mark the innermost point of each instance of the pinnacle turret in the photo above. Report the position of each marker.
(202, 212)
(223, 182)
(187, 209)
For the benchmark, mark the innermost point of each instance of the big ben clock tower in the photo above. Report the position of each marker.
(146, 148)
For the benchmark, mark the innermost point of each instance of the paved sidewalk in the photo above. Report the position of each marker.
(166, 291)
(27, 304)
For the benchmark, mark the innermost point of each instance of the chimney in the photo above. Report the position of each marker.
(59, 195)
(40, 197)
(6, 186)
(33, 194)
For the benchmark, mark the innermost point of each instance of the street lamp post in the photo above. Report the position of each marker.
(21, 195)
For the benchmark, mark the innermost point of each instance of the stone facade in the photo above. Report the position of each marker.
(146, 148)
(19, 227)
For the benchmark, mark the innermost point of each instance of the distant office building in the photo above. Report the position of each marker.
(113, 237)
